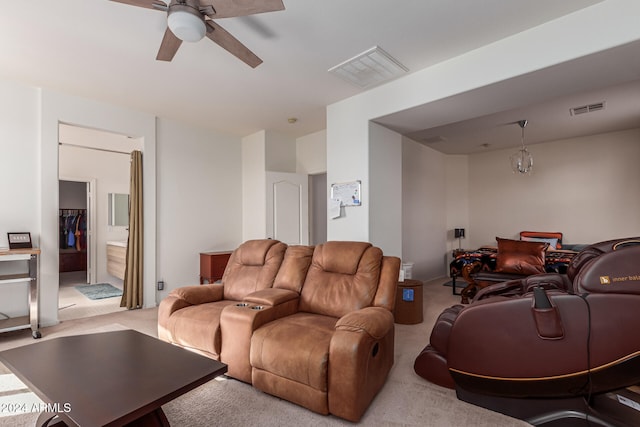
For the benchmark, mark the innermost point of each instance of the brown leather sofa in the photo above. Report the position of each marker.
(312, 325)
(547, 346)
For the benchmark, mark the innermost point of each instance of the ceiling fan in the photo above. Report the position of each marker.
(191, 20)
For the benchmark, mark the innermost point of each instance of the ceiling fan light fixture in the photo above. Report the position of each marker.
(186, 22)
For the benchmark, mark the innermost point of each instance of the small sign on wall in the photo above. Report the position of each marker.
(347, 193)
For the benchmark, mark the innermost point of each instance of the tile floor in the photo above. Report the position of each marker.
(74, 305)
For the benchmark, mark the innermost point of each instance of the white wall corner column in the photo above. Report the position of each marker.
(365, 151)
(457, 199)
(348, 160)
(254, 198)
(385, 190)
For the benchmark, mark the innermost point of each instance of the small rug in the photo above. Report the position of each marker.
(99, 291)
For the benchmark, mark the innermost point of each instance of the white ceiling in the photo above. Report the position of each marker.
(106, 50)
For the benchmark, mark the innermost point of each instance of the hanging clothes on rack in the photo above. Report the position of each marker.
(80, 233)
(73, 227)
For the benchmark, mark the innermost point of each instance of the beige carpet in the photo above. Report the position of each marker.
(405, 400)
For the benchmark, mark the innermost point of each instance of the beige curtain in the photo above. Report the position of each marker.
(132, 294)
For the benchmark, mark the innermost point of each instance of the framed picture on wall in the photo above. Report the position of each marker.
(19, 240)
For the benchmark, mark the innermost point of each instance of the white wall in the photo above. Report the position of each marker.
(385, 195)
(457, 200)
(199, 199)
(311, 159)
(19, 177)
(19, 160)
(254, 198)
(311, 153)
(424, 209)
(348, 160)
(280, 152)
(584, 187)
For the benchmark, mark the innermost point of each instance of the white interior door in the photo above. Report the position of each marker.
(288, 207)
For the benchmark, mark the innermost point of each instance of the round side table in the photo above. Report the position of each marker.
(408, 309)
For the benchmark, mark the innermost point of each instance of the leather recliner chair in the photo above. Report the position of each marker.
(190, 316)
(334, 353)
(546, 346)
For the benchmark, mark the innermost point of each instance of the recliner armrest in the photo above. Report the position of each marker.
(375, 321)
(241, 320)
(199, 294)
(508, 288)
(271, 296)
(548, 281)
(522, 286)
(361, 355)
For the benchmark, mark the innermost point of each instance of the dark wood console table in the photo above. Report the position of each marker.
(212, 265)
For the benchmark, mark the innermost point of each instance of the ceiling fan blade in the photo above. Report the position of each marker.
(147, 4)
(231, 8)
(169, 46)
(220, 36)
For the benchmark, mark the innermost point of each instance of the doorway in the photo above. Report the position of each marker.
(92, 166)
(288, 207)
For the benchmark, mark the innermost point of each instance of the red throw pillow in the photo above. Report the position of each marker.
(520, 257)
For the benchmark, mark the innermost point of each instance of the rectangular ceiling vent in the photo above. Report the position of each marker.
(433, 140)
(369, 68)
(587, 108)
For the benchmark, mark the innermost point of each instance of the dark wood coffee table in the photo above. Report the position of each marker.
(108, 379)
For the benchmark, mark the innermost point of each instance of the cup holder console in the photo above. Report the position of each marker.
(248, 305)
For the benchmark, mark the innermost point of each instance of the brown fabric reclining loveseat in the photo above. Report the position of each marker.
(310, 325)
(548, 346)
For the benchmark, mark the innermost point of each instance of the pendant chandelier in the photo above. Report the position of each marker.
(522, 160)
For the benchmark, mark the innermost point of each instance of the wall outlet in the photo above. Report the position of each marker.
(160, 285)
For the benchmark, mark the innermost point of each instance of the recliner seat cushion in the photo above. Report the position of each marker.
(307, 336)
(198, 327)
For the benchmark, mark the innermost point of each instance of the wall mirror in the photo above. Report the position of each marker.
(118, 210)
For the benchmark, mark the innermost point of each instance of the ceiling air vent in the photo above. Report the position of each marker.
(369, 68)
(587, 108)
(433, 140)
